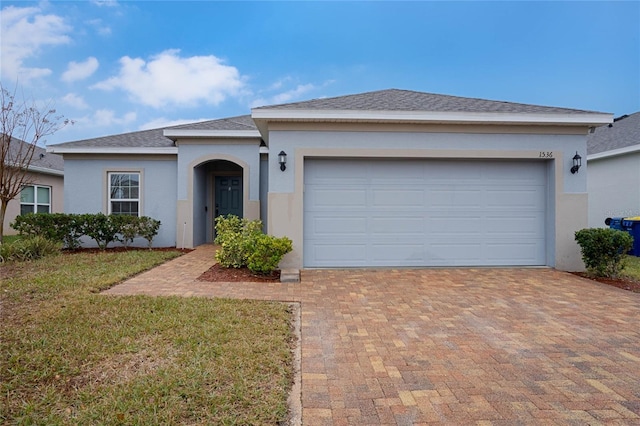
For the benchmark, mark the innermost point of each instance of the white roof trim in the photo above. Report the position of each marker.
(45, 170)
(112, 150)
(588, 119)
(40, 169)
(187, 133)
(614, 152)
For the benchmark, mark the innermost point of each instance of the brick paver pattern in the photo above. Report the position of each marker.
(450, 346)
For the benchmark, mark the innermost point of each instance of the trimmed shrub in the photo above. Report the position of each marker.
(59, 227)
(148, 228)
(102, 228)
(243, 244)
(234, 235)
(603, 250)
(68, 228)
(127, 228)
(267, 252)
(30, 248)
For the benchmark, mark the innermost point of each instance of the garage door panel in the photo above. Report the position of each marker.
(424, 213)
(343, 255)
(338, 198)
(389, 254)
(338, 225)
(405, 225)
(459, 225)
(526, 198)
(454, 253)
(517, 251)
(445, 197)
(396, 198)
(516, 225)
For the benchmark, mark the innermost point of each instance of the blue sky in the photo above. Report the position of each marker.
(119, 66)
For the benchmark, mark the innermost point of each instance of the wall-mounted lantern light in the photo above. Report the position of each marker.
(577, 162)
(282, 160)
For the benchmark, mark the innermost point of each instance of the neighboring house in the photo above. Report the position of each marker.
(613, 181)
(386, 178)
(44, 193)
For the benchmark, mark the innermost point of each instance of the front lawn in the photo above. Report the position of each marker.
(8, 239)
(632, 267)
(72, 356)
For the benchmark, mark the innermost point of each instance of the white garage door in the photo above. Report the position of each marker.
(424, 213)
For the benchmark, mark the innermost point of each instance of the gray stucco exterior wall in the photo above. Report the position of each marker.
(289, 141)
(264, 189)
(193, 154)
(567, 193)
(614, 188)
(86, 189)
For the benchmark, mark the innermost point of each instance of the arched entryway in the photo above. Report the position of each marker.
(218, 189)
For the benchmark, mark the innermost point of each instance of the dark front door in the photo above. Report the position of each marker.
(228, 195)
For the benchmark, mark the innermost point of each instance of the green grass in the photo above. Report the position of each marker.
(72, 356)
(632, 267)
(8, 239)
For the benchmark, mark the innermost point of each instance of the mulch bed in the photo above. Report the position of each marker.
(219, 274)
(623, 283)
(120, 249)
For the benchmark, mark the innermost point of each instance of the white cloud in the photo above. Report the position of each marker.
(284, 97)
(24, 32)
(106, 3)
(100, 28)
(80, 70)
(168, 79)
(158, 123)
(107, 117)
(74, 101)
(293, 94)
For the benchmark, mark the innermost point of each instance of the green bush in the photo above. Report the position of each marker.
(127, 228)
(243, 244)
(102, 228)
(603, 250)
(148, 228)
(266, 253)
(59, 227)
(234, 235)
(68, 228)
(31, 248)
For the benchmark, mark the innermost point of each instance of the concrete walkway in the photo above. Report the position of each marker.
(449, 346)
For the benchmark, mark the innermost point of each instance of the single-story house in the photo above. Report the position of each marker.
(613, 159)
(43, 192)
(384, 178)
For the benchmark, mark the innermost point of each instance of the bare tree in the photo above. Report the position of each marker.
(22, 125)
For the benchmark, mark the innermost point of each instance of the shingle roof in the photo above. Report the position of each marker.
(623, 132)
(144, 138)
(408, 100)
(242, 122)
(40, 157)
(155, 138)
(382, 100)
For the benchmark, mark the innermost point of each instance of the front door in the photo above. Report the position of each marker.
(228, 195)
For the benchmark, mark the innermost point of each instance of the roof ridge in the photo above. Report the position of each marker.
(412, 100)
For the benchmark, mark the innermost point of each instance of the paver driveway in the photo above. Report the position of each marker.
(455, 346)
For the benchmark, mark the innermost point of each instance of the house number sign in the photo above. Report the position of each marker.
(545, 154)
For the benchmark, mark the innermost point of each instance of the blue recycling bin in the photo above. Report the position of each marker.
(632, 226)
(614, 223)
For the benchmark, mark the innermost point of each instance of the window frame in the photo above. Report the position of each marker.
(35, 204)
(110, 200)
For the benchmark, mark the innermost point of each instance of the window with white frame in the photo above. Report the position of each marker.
(35, 199)
(124, 193)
